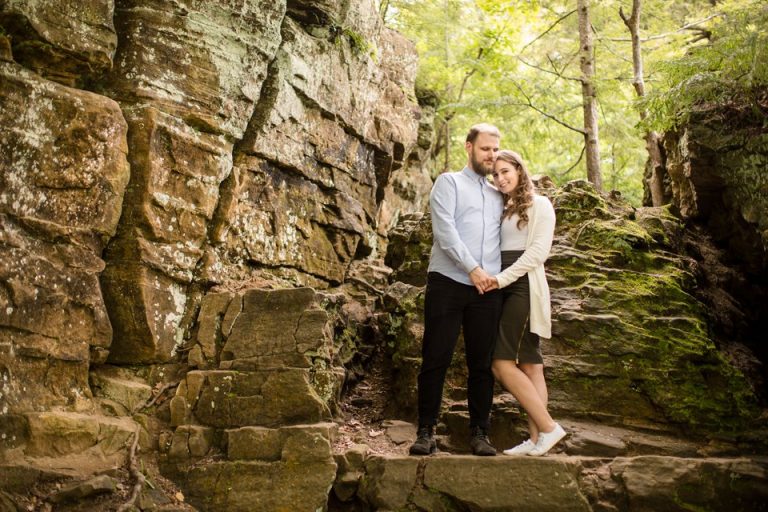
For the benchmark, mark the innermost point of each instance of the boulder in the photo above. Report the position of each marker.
(257, 486)
(504, 484)
(46, 446)
(668, 483)
(388, 481)
(191, 441)
(410, 241)
(296, 443)
(108, 383)
(562, 483)
(76, 491)
(630, 343)
(714, 164)
(57, 434)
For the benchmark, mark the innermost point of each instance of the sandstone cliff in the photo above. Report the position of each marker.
(154, 150)
(212, 247)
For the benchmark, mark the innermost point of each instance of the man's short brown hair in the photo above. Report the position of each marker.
(482, 128)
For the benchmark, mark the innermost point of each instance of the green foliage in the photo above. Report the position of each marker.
(357, 41)
(734, 67)
(359, 44)
(515, 63)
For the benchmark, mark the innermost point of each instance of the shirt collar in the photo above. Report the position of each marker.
(469, 173)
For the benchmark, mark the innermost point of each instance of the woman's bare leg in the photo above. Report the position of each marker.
(535, 373)
(514, 380)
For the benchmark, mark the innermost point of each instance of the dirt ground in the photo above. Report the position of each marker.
(363, 416)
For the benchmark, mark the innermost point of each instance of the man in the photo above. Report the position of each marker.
(466, 217)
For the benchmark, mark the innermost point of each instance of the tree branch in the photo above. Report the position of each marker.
(151, 401)
(557, 73)
(545, 114)
(561, 18)
(567, 171)
(664, 35)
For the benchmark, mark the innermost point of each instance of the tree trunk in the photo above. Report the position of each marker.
(586, 58)
(447, 148)
(655, 168)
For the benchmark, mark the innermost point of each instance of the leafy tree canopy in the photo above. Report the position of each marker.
(733, 68)
(515, 63)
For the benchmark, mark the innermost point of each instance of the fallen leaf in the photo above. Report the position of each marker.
(179, 496)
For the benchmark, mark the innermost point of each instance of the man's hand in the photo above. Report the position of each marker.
(482, 281)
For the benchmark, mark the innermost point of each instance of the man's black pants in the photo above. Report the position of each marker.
(449, 306)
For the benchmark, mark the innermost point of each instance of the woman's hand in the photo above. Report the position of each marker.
(490, 284)
(482, 281)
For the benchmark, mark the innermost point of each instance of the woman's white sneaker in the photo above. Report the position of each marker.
(523, 448)
(547, 440)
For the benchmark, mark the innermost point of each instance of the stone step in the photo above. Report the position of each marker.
(585, 438)
(268, 469)
(270, 398)
(291, 443)
(51, 445)
(126, 394)
(555, 483)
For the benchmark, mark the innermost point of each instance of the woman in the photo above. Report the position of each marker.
(527, 229)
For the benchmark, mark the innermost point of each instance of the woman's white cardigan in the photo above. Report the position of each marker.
(541, 229)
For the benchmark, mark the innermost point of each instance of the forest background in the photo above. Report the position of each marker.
(516, 64)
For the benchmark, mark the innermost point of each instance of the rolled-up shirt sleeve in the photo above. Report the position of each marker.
(538, 252)
(442, 202)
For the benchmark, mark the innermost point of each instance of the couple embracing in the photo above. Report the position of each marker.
(486, 275)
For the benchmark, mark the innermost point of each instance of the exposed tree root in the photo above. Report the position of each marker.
(136, 474)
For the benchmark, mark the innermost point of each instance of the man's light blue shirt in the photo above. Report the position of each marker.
(466, 225)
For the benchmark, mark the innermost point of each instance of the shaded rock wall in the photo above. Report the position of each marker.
(716, 170)
(259, 144)
(68, 41)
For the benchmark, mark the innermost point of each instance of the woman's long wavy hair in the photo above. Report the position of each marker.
(521, 198)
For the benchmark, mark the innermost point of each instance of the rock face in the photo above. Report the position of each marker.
(276, 155)
(716, 170)
(68, 41)
(152, 150)
(64, 172)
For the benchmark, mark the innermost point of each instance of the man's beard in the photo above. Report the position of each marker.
(479, 167)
